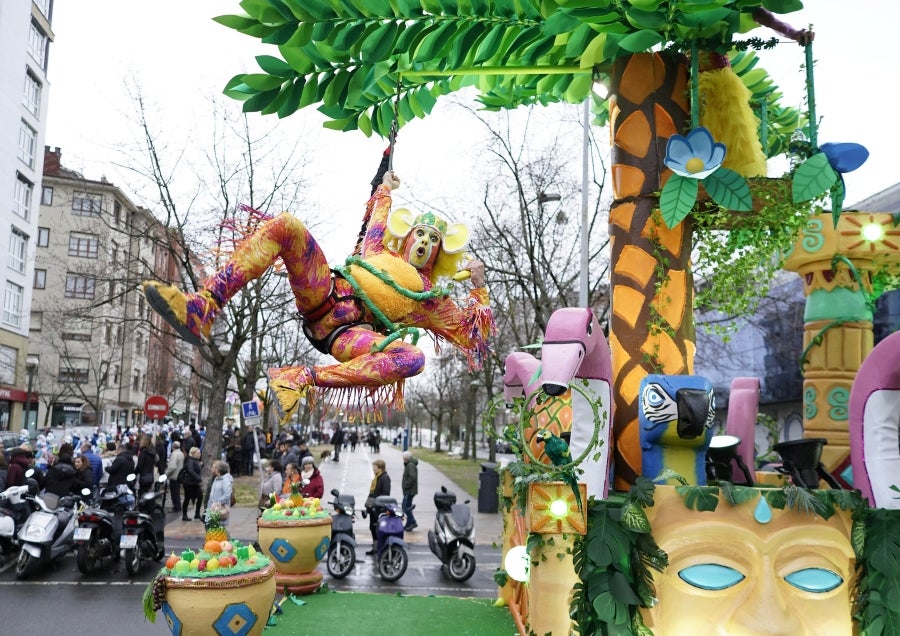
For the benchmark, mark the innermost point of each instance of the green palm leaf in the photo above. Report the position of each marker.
(677, 199)
(729, 189)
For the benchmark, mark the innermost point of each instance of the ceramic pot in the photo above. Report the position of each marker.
(295, 546)
(235, 604)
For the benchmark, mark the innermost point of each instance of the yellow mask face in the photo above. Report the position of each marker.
(730, 573)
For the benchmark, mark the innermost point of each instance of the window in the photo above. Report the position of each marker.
(117, 212)
(40, 279)
(114, 253)
(37, 44)
(84, 245)
(32, 96)
(107, 334)
(43, 236)
(78, 337)
(47, 196)
(22, 197)
(37, 321)
(116, 375)
(8, 357)
(27, 141)
(79, 286)
(86, 204)
(136, 381)
(12, 305)
(44, 6)
(74, 370)
(18, 248)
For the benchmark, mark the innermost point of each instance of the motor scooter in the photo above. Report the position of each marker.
(48, 532)
(99, 529)
(14, 510)
(342, 551)
(452, 540)
(143, 527)
(390, 549)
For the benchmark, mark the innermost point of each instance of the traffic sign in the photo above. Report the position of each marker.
(250, 409)
(156, 407)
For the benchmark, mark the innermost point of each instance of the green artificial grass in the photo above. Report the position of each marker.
(360, 614)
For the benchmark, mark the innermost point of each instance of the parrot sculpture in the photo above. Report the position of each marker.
(557, 450)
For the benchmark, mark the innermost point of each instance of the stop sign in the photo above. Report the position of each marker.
(156, 407)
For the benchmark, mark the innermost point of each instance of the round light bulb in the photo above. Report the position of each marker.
(559, 508)
(873, 231)
(517, 563)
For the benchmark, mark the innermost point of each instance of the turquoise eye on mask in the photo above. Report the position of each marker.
(815, 580)
(710, 576)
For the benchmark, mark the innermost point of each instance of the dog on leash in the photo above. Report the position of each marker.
(325, 454)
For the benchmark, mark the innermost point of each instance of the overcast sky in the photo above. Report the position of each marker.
(182, 58)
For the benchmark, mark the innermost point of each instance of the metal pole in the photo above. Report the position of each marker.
(28, 402)
(583, 287)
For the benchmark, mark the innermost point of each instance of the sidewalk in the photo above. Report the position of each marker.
(353, 475)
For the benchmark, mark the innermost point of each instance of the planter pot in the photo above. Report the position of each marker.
(236, 604)
(295, 547)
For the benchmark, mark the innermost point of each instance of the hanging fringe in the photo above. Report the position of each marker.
(363, 403)
(482, 329)
(240, 229)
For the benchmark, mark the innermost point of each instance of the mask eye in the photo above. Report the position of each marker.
(711, 576)
(420, 232)
(435, 238)
(815, 580)
(654, 398)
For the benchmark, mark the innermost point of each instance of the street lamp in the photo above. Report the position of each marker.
(31, 366)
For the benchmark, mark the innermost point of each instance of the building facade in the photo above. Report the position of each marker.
(25, 37)
(90, 329)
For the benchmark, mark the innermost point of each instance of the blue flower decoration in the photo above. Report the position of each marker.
(696, 156)
(845, 157)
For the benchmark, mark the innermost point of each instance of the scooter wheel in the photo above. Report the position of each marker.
(86, 556)
(461, 567)
(393, 562)
(25, 564)
(341, 559)
(133, 560)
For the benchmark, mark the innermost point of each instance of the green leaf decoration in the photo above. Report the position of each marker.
(275, 66)
(729, 189)
(640, 41)
(883, 543)
(775, 497)
(813, 178)
(677, 199)
(634, 518)
(667, 473)
(642, 491)
(621, 590)
(701, 498)
(610, 543)
(837, 200)
(736, 495)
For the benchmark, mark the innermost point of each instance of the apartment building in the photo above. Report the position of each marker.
(90, 330)
(25, 37)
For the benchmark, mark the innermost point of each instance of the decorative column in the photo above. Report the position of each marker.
(837, 266)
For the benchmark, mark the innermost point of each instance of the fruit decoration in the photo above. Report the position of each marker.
(294, 508)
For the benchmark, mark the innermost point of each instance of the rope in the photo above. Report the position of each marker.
(395, 122)
(811, 96)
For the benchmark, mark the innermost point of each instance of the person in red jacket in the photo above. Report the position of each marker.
(314, 485)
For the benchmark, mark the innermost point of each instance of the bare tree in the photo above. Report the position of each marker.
(242, 168)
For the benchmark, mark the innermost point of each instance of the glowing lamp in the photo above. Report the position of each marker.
(559, 507)
(873, 231)
(517, 563)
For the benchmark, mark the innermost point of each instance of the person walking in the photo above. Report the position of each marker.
(220, 493)
(381, 485)
(337, 440)
(173, 474)
(96, 462)
(313, 484)
(146, 463)
(192, 482)
(121, 467)
(248, 448)
(409, 483)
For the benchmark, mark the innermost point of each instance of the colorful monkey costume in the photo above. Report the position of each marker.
(356, 312)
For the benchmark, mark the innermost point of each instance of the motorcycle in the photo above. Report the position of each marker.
(14, 510)
(143, 526)
(341, 556)
(99, 529)
(48, 532)
(452, 540)
(391, 550)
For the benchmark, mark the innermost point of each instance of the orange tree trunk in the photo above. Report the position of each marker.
(652, 329)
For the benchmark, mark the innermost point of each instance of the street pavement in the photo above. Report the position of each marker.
(353, 475)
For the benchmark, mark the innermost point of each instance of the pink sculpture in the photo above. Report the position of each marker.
(874, 422)
(743, 407)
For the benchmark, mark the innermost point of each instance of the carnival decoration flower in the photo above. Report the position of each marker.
(823, 172)
(697, 158)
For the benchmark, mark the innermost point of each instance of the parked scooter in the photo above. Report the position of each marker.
(99, 528)
(452, 539)
(48, 532)
(390, 550)
(143, 537)
(342, 552)
(14, 510)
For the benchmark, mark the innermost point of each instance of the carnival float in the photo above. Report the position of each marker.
(624, 513)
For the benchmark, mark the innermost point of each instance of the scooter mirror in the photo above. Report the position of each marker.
(29, 473)
(161, 479)
(131, 478)
(86, 492)
(335, 492)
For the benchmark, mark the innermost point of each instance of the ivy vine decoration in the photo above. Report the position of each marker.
(822, 171)
(697, 158)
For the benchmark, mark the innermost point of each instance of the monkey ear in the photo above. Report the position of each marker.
(455, 238)
(399, 222)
